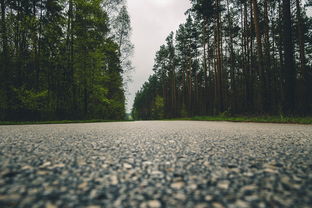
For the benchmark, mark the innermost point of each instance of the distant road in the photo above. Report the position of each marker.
(156, 164)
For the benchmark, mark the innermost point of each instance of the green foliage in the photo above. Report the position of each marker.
(3, 104)
(260, 119)
(183, 112)
(144, 99)
(30, 100)
(56, 122)
(158, 108)
(59, 61)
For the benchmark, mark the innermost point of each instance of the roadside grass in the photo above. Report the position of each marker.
(255, 119)
(56, 122)
(251, 119)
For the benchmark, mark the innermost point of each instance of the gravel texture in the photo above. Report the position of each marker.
(156, 164)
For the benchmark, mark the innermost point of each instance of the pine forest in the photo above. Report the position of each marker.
(246, 57)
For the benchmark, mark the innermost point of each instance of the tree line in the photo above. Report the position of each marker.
(246, 57)
(63, 59)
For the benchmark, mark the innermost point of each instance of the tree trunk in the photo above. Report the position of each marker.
(305, 95)
(251, 72)
(205, 94)
(4, 79)
(219, 61)
(261, 72)
(268, 72)
(232, 61)
(174, 95)
(289, 68)
(301, 39)
(4, 34)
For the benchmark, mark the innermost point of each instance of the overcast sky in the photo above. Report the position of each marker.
(152, 21)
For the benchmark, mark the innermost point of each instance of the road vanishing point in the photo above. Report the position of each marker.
(152, 164)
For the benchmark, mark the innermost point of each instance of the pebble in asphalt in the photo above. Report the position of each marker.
(156, 164)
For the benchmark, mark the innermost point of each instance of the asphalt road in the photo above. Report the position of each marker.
(156, 164)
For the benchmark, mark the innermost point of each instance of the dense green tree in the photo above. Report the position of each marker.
(59, 60)
(121, 30)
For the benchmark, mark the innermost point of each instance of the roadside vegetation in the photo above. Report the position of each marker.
(63, 60)
(255, 119)
(239, 57)
(57, 122)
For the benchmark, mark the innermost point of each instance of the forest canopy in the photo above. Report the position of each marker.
(247, 57)
(63, 59)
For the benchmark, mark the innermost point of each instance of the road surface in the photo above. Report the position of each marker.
(156, 164)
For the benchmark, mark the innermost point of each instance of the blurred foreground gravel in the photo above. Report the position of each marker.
(156, 164)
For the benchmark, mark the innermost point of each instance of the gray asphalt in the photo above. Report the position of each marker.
(156, 164)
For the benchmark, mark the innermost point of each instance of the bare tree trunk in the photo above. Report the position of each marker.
(219, 61)
(261, 72)
(205, 77)
(290, 72)
(251, 72)
(4, 33)
(245, 55)
(216, 77)
(70, 57)
(210, 99)
(205, 94)
(232, 62)
(4, 67)
(267, 72)
(174, 94)
(301, 39)
(303, 71)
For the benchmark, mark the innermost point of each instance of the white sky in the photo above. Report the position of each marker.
(152, 21)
